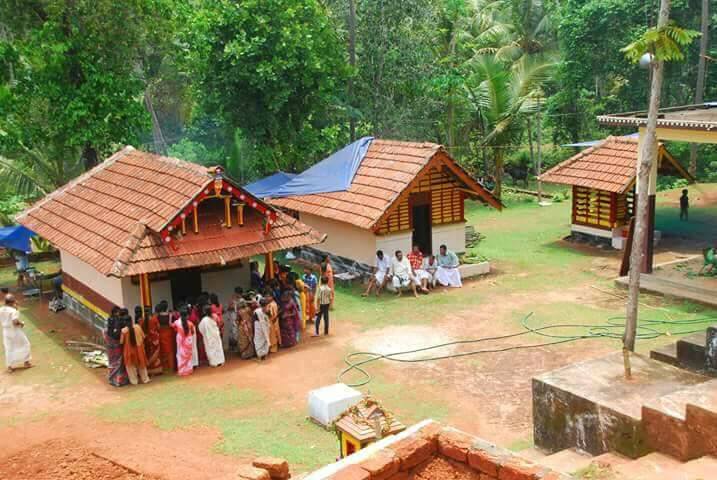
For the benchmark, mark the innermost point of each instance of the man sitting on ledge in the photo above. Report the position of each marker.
(402, 274)
(448, 274)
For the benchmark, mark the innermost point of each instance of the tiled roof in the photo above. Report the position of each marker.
(611, 165)
(111, 217)
(385, 172)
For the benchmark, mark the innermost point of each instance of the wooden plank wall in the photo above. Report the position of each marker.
(601, 209)
(447, 204)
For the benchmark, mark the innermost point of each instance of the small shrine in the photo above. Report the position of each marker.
(363, 424)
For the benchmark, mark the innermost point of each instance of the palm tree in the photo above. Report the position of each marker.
(503, 95)
(33, 172)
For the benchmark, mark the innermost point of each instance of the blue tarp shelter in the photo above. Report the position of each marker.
(333, 174)
(16, 238)
(264, 187)
(595, 142)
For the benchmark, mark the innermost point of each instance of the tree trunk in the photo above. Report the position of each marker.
(701, 73)
(648, 155)
(530, 145)
(498, 172)
(352, 62)
(89, 156)
(160, 146)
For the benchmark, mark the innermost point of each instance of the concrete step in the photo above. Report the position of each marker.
(651, 467)
(566, 461)
(691, 351)
(703, 468)
(683, 424)
(666, 353)
(533, 454)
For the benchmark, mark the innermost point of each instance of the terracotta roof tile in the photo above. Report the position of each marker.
(111, 216)
(385, 172)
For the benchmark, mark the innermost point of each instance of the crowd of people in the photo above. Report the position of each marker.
(416, 271)
(273, 314)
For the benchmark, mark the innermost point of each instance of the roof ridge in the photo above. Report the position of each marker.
(111, 160)
(178, 162)
(132, 242)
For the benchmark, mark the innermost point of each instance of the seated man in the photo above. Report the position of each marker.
(415, 258)
(447, 273)
(380, 274)
(402, 274)
(427, 274)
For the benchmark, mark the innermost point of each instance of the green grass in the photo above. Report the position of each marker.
(8, 274)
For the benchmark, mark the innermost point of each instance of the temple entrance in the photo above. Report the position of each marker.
(186, 283)
(421, 219)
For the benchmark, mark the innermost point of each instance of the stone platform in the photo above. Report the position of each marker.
(590, 406)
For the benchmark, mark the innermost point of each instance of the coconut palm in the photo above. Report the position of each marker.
(35, 172)
(502, 95)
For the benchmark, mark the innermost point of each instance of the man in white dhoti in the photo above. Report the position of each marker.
(447, 273)
(380, 274)
(402, 274)
(427, 273)
(17, 346)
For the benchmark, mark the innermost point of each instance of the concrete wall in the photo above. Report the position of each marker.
(109, 287)
(390, 243)
(452, 235)
(160, 291)
(344, 239)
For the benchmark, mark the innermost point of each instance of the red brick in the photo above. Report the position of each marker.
(351, 472)
(399, 476)
(484, 462)
(249, 472)
(518, 469)
(381, 465)
(455, 444)
(278, 468)
(413, 450)
(431, 431)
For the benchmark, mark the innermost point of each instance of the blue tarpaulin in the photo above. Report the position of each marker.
(595, 142)
(333, 174)
(264, 187)
(16, 238)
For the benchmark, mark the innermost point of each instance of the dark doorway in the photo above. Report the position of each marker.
(421, 215)
(185, 284)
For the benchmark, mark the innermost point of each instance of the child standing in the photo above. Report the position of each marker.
(324, 296)
(684, 205)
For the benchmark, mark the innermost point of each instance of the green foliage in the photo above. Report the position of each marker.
(9, 207)
(664, 42)
(272, 68)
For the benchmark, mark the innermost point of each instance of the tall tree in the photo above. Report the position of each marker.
(663, 43)
(273, 68)
(77, 89)
(701, 72)
(502, 97)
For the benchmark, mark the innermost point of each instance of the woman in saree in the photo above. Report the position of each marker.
(303, 302)
(328, 271)
(185, 342)
(245, 330)
(271, 308)
(209, 327)
(200, 356)
(167, 340)
(261, 329)
(288, 319)
(116, 373)
(150, 327)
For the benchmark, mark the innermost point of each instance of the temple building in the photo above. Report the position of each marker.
(140, 228)
(380, 194)
(602, 178)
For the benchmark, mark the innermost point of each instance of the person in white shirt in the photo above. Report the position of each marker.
(380, 274)
(17, 346)
(402, 274)
(426, 275)
(448, 274)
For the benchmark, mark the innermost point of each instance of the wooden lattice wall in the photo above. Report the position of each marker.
(601, 209)
(447, 202)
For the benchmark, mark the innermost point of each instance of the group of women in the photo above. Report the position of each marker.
(201, 331)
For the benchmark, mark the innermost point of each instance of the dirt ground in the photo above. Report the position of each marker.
(205, 425)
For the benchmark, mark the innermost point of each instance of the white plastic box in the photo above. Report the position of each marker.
(327, 403)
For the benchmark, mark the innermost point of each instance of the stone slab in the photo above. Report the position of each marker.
(691, 351)
(590, 406)
(671, 288)
(666, 353)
